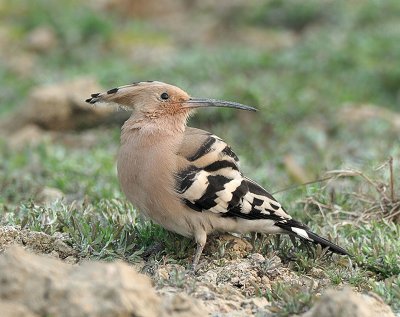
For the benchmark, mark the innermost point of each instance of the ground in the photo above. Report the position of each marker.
(324, 77)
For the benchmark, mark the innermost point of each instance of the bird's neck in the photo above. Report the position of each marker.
(153, 128)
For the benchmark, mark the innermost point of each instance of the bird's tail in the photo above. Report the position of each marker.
(303, 232)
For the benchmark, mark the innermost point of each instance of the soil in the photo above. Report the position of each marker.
(41, 275)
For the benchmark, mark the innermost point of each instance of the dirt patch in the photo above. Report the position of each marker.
(230, 281)
(38, 242)
(48, 287)
(346, 303)
(229, 284)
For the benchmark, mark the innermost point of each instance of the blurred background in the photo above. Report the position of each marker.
(324, 74)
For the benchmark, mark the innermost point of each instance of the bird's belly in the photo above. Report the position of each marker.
(170, 213)
(149, 186)
(173, 220)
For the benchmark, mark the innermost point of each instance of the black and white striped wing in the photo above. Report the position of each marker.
(213, 182)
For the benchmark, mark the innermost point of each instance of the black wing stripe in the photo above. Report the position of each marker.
(228, 151)
(237, 213)
(239, 192)
(213, 167)
(208, 200)
(191, 205)
(258, 190)
(276, 207)
(203, 150)
(186, 178)
(257, 202)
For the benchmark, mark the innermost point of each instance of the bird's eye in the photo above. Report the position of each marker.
(164, 96)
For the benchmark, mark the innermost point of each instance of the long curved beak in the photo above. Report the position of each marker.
(200, 103)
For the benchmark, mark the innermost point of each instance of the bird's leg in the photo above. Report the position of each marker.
(201, 238)
(199, 251)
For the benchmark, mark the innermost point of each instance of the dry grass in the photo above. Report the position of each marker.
(376, 197)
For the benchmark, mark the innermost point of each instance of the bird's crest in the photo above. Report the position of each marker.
(157, 97)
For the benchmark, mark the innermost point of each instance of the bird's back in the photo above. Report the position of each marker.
(212, 181)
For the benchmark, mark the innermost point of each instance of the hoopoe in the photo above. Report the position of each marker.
(188, 180)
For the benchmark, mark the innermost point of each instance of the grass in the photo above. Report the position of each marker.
(109, 228)
(290, 299)
(341, 53)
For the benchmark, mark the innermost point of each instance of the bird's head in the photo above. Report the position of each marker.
(158, 104)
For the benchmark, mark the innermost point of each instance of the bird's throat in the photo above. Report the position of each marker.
(152, 127)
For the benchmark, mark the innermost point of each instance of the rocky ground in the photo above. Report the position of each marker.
(40, 275)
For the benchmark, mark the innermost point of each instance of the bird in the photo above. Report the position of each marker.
(186, 179)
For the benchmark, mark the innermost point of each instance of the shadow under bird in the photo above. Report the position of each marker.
(188, 180)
